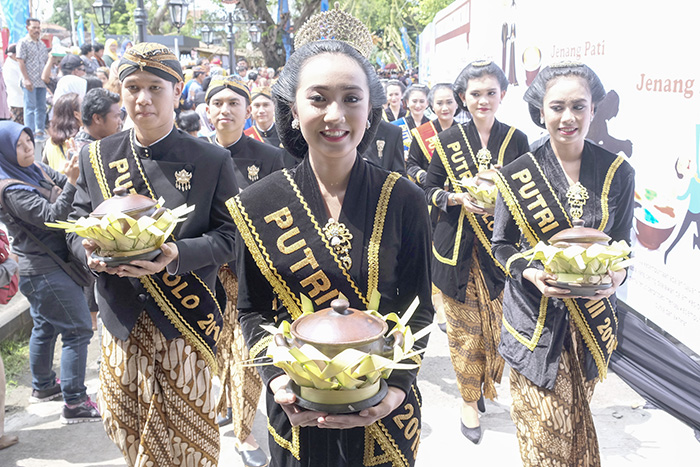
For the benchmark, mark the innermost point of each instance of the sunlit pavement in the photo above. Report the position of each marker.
(629, 434)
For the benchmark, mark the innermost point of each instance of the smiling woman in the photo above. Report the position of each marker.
(335, 224)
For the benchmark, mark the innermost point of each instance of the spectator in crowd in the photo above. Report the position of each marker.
(195, 93)
(101, 116)
(188, 121)
(103, 74)
(57, 305)
(13, 76)
(73, 79)
(64, 125)
(32, 55)
(87, 54)
(92, 83)
(242, 67)
(110, 55)
(99, 51)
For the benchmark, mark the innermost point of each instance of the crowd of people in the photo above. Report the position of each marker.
(319, 179)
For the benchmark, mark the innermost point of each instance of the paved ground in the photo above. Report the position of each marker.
(629, 434)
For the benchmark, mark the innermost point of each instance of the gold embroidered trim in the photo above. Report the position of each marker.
(421, 143)
(323, 237)
(554, 194)
(260, 346)
(587, 333)
(292, 446)
(458, 242)
(381, 435)
(510, 261)
(515, 209)
(261, 257)
(138, 164)
(434, 197)
(180, 324)
(502, 151)
(377, 230)
(98, 168)
(606, 191)
(539, 327)
(483, 238)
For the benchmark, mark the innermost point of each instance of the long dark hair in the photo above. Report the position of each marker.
(284, 93)
(64, 125)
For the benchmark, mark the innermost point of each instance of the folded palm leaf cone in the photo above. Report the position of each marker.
(344, 369)
(581, 255)
(482, 189)
(120, 232)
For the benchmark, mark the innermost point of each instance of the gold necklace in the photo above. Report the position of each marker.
(577, 195)
(339, 237)
(483, 155)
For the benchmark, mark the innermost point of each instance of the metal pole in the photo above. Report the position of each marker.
(231, 48)
(73, 35)
(141, 19)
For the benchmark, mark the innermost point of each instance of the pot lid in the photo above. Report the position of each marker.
(579, 235)
(124, 203)
(339, 324)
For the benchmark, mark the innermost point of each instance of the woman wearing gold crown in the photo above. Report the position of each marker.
(470, 279)
(329, 104)
(558, 345)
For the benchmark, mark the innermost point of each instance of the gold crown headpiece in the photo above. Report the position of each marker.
(566, 64)
(335, 24)
(481, 63)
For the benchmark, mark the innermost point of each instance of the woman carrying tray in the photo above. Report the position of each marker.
(334, 224)
(464, 270)
(556, 344)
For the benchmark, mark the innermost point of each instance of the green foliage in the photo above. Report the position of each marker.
(385, 18)
(15, 356)
(122, 22)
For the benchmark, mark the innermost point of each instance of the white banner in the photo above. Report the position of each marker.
(651, 115)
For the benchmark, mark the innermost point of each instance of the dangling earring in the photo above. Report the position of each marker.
(295, 124)
(541, 120)
(369, 124)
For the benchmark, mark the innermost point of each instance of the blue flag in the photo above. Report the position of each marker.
(92, 33)
(16, 14)
(405, 42)
(324, 5)
(80, 31)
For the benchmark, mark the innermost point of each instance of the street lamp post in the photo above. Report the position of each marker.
(141, 20)
(178, 16)
(103, 13)
(231, 45)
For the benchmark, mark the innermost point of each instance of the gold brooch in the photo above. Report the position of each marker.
(577, 195)
(182, 180)
(483, 158)
(339, 237)
(380, 148)
(253, 171)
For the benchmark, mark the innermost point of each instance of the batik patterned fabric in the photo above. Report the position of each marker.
(555, 427)
(156, 399)
(473, 333)
(240, 386)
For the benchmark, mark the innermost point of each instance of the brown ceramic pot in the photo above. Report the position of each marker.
(133, 205)
(340, 327)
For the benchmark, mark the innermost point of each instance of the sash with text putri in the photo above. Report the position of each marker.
(405, 133)
(539, 215)
(186, 300)
(253, 132)
(459, 160)
(426, 134)
(285, 240)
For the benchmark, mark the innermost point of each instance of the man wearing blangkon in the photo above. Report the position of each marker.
(161, 317)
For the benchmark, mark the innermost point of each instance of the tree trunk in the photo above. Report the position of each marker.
(271, 38)
(155, 23)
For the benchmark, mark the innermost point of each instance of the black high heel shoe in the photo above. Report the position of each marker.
(472, 434)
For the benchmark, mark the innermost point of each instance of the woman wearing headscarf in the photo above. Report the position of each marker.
(32, 194)
(558, 345)
(110, 55)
